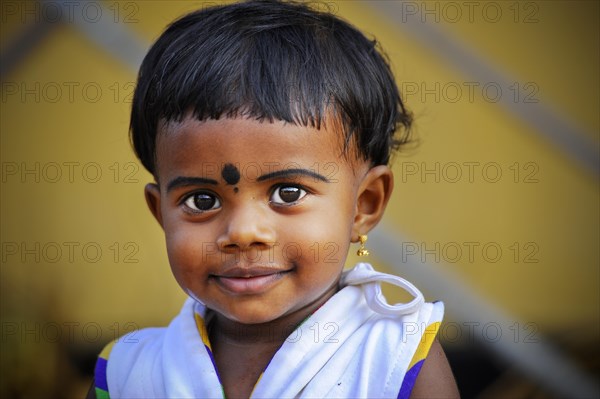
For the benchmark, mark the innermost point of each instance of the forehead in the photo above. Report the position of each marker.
(193, 147)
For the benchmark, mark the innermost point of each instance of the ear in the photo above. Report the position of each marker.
(373, 195)
(152, 194)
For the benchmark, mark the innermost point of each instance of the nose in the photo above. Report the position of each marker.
(248, 228)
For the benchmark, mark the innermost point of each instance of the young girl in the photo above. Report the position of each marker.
(268, 127)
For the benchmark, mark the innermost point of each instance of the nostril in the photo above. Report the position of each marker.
(251, 250)
(245, 230)
(230, 246)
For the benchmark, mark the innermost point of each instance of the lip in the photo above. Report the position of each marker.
(249, 280)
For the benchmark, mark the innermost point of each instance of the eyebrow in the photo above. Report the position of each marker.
(292, 173)
(183, 181)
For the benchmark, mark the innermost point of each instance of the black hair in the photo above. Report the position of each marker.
(270, 60)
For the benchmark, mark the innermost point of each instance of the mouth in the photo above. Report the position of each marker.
(249, 280)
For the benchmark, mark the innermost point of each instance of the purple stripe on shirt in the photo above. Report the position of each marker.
(100, 373)
(409, 380)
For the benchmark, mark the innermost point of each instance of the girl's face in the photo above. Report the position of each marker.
(258, 216)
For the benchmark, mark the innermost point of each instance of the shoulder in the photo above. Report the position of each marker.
(131, 346)
(429, 374)
(435, 380)
(118, 358)
(126, 366)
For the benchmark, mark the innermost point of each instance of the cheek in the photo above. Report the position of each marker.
(322, 240)
(185, 249)
(332, 221)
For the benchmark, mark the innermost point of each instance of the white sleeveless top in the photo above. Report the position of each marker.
(354, 346)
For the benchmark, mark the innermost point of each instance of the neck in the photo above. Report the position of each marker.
(272, 333)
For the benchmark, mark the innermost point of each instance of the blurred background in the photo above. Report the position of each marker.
(495, 212)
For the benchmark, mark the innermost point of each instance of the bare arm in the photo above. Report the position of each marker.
(435, 380)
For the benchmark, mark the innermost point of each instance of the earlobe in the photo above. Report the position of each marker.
(372, 198)
(152, 194)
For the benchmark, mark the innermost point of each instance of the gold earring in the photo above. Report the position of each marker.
(362, 251)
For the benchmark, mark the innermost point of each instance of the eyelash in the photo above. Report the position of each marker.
(303, 193)
(274, 190)
(188, 208)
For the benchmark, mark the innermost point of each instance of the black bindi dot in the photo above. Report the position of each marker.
(235, 189)
(230, 174)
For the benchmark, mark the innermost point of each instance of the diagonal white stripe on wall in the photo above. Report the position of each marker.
(546, 120)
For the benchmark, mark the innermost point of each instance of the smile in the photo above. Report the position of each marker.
(247, 281)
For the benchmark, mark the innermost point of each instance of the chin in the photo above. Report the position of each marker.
(251, 317)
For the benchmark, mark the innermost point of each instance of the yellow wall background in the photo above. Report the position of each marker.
(83, 261)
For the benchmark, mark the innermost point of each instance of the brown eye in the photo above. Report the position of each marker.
(287, 194)
(201, 202)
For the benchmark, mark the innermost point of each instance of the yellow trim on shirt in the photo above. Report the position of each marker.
(107, 349)
(202, 330)
(425, 344)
